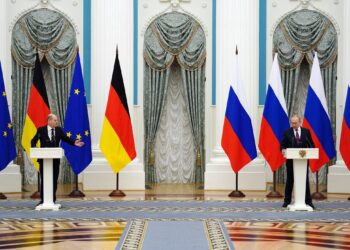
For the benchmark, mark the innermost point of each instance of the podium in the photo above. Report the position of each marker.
(47, 154)
(300, 156)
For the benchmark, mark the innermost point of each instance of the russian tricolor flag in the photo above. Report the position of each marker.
(237, 135)
(316, 118)
(274, 121)
(345, 132)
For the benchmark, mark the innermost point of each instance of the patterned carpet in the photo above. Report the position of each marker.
(110, 210)
(217, 223)
(172, 235)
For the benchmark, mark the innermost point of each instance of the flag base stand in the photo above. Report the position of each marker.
(76, 194)
(2, 196)
(236, 193)
(318, 196)
(35, 195)
(117, 193)
(274, 194)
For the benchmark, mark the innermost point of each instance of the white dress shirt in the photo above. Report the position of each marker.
(299, 132)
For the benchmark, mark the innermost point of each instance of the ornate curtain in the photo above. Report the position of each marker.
(52, 35)
(174, 35)
(295, 39)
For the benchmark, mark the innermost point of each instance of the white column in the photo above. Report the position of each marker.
(112, 25)
(10, 177)
(237, 24)
(3, 29)
(339, 175)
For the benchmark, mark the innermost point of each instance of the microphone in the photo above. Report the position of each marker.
(293, 139)
(308, 142)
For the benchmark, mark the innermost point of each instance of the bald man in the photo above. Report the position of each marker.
(50, 136)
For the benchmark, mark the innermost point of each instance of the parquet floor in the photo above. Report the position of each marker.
(105, 234)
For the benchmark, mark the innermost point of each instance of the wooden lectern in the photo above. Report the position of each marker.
(47, 154)
(300, 157)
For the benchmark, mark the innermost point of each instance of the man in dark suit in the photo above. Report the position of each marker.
(296, 137)
(50, 136)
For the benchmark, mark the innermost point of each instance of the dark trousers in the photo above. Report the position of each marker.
(290, 182)
(56, 172)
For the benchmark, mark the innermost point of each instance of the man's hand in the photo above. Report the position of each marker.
(284, 152)
(78, 143)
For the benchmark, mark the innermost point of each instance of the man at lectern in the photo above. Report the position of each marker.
(50, 136)
(296, 137)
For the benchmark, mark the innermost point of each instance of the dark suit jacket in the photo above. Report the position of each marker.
(45, 142)
(289, 140)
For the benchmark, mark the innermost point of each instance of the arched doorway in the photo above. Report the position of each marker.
(174, 69)
(296, 38)
(50, 34)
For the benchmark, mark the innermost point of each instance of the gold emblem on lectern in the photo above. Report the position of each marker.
(302, 153)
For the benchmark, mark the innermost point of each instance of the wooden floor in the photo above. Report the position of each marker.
(105, 235)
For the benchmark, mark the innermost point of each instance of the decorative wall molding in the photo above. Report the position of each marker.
(306, 4)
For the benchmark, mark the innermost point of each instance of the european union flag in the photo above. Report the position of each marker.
(76, 123)
(7, 141)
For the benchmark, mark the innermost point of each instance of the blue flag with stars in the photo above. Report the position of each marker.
(76, 123)
(7, 141)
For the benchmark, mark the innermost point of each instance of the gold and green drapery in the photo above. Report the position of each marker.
(295, 39)
(174, 36)
(54, 37)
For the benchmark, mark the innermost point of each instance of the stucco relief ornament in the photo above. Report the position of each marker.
(175, 4)
(44, 2)
(304, 3)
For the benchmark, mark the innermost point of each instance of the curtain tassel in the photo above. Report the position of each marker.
(198, 158)
(19, 159)
(151, 157)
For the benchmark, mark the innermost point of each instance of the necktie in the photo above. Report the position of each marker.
(297, 137)
(52, 135)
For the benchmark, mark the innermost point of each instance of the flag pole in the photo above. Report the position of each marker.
(76, 193)
(318, 195)
(117, 192)
(236, 193)
(274, 193)
(36, 194)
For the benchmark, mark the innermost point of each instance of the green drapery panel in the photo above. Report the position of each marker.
(53, 36)
(173, 36)
(295, 39)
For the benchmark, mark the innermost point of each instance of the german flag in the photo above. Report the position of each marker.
(117, 140)
(38, 109)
